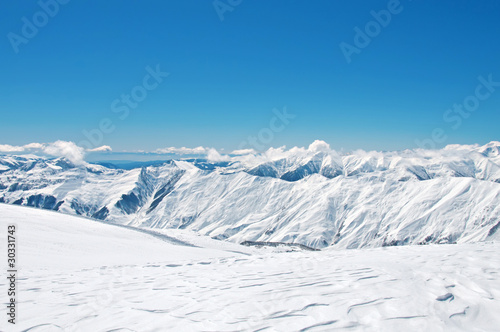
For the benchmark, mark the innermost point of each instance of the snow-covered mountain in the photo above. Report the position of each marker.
(315, 196)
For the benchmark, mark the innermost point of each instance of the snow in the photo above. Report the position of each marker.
(77, 274)
(315, 196)
(45, 235)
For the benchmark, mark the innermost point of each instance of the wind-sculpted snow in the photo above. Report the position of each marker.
(315, 197)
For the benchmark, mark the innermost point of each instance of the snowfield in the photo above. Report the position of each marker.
(315, 196)
(77, 274)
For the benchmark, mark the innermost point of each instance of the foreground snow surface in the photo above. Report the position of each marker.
(80, 275)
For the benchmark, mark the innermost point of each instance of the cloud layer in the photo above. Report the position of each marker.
(68, 150)
(248, 157)
(76, 154)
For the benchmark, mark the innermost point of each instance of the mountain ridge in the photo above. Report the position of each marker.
(314, 197)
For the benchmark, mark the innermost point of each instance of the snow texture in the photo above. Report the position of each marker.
(77, 274)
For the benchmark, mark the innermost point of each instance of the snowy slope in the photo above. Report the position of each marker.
(51, 240)
(312, 196)
(81, 275)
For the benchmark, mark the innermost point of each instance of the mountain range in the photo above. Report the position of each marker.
(315, 197)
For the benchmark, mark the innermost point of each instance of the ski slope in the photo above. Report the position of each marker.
(77, 274)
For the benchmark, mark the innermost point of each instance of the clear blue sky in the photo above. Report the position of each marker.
(227, 76)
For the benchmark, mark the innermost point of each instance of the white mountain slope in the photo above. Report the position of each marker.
(81, 275)
(313, 196)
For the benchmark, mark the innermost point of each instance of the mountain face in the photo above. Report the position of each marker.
(312, 197)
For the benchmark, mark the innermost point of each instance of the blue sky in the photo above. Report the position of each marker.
(226, 76)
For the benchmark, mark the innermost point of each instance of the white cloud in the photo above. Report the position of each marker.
(10, 148)
(104, 148)
(275, 153)
(215, 156)
(319, 146)
(183, 150)
(68, 150)
(33, 146)
(243, 152)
